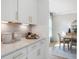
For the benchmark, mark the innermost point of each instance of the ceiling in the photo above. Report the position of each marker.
(63, 6)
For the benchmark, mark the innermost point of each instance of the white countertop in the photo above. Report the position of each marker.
(8, 48)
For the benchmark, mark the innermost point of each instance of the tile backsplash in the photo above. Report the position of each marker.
(13, 28)
(9, 28)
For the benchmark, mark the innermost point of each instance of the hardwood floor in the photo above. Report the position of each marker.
(58, 53)
(56, 57)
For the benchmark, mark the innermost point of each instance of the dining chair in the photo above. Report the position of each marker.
(66, 41)
(73, 41)
(60, 39)
(63, 40)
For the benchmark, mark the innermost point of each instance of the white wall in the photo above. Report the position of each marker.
(64, 12)
(61, 23)
(63, 6)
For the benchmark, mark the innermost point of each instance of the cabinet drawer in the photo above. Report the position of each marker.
(21, 54)
(33, 46)
(7, 57)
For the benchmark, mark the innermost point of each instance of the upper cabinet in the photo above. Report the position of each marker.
(27, 11)
(23, 10)
(8, 10)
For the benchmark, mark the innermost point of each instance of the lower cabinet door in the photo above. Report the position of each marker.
(42, 53)
(43, 49)
(34, 54)
(38, 54)
(20, 54)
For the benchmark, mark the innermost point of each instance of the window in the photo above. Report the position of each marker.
(50, 27)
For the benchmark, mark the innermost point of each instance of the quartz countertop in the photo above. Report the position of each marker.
(9, 48)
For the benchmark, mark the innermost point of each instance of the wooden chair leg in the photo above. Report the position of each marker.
(59, 45)
(64, 45)
(68, 46)
(71, 47)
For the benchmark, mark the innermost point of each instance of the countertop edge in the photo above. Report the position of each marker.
(36, 40)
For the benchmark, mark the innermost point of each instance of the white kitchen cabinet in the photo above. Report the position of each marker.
(35, 54)
(20, 54)
(37, 50)
(33, 51)
(32, 55)
(8, 10)
(27, 9)
(43, 49)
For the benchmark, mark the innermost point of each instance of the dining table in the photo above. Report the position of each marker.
(70, 38)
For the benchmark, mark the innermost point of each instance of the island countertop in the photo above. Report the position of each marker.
(9, 48)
